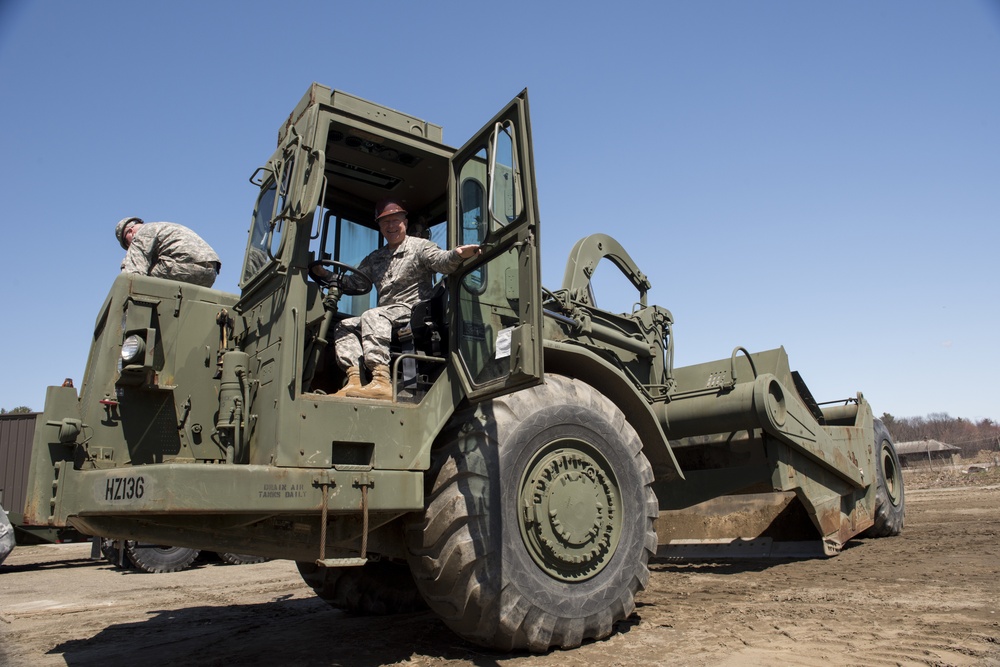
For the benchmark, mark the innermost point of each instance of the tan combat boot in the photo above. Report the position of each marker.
(353, 382)
(379, 388)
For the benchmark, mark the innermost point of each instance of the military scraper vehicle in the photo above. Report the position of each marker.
(536, 454)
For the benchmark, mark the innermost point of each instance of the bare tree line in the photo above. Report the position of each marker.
(971, 437)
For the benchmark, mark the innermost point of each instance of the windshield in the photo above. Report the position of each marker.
(268, 222)
(258, 248)
(353, 242)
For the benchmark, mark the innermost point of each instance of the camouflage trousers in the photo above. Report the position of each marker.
(367, 337)
(186, 272)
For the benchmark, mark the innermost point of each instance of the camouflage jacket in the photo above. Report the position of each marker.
(404, 275)
(166, 247)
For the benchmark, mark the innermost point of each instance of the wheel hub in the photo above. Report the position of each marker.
(891, 474)
(569, 517)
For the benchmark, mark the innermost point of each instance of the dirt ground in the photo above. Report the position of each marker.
(928, 597)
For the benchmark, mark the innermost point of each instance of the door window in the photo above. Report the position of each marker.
(496, 306)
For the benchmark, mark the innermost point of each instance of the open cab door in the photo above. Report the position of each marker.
(496, 322)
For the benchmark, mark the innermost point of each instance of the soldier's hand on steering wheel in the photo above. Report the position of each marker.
(344, 278)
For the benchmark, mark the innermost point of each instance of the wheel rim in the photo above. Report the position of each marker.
(570, 510)
(890, 472)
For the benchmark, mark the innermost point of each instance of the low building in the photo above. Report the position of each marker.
(17, 431)
(927, 454)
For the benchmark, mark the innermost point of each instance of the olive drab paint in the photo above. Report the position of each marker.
(218, 429)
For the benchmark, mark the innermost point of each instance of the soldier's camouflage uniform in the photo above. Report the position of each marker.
(402, 279)
(169, 250)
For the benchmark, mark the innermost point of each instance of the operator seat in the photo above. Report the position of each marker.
(426, 335)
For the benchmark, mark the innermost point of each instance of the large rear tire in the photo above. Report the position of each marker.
(156, 559)
(890, 506)
(540, 520)
(377, 588)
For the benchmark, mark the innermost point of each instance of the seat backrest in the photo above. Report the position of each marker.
(428, 321)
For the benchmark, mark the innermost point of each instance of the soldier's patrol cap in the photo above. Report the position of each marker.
(122, 227)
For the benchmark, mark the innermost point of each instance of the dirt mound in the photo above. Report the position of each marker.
(980, 470)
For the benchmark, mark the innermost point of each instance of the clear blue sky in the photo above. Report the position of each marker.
(823, 176)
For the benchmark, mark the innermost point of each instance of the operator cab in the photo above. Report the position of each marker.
(337, 156)
(417, 348)
(362, 168)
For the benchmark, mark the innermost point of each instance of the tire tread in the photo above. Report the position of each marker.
(454, 563)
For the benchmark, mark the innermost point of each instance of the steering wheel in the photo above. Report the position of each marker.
(339, 269)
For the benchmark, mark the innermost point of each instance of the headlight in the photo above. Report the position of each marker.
(133, 349)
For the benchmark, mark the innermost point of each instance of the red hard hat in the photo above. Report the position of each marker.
(388, 207)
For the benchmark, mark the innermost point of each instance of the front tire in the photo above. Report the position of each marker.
(890, 506)
(539, 522)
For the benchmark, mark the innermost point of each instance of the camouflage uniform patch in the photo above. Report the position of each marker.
(402, 278)
(367, 337)
(172, 251)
